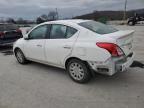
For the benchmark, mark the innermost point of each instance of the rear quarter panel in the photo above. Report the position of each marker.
(86, 49)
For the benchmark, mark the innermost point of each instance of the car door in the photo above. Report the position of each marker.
(34, 46)
(60, 43)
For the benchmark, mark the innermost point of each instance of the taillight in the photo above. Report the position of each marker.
(113, 49)
(1, 34)
(18, 30)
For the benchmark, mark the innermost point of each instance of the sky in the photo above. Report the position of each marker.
(30, 9)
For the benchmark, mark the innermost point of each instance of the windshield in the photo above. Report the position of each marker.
(98, 27)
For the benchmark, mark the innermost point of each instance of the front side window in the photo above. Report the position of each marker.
(61, 32)
(98, 27)
(39, 33)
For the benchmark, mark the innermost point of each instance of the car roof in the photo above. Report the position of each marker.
(73, 21)
(76, 21)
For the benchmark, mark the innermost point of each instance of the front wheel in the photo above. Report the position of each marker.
(20, 57)
(78, 71)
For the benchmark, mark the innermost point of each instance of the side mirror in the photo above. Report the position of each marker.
(26, 37)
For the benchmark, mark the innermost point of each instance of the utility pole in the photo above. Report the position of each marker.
(125, 10)
(57, 14)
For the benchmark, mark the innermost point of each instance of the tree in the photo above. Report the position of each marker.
(52, 16)
(44, 17)
(11, 20)
(2, 20)
(39, 20)
(20, 21)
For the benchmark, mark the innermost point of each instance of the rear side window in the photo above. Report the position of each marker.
(61, 32)
(70, 32)
(98, 27)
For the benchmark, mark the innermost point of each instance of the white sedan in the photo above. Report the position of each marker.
(79, 46)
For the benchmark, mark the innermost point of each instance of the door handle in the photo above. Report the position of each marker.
(39, 45)
(67, 47)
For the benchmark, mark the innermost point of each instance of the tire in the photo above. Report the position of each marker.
(78, 71)
(131, 23)
(20, 57)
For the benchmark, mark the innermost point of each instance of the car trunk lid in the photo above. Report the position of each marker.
(9, 31)
(124, 40)
(12, 34)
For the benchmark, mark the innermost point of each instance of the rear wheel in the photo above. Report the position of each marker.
(20, 57)
(78, 71)
(131, 23)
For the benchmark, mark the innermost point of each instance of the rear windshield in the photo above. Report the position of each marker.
(7, 27)
(98, 27)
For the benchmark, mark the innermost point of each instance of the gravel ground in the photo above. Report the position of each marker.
(40, 86)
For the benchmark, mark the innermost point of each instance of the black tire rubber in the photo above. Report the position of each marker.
(24, 60)
(87, 73)
(133, 23)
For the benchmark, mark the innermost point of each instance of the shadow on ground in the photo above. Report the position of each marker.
(98, 79)
(137, 64)
(6, 50)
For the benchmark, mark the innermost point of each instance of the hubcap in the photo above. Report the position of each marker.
(19, 56)
(76, 71)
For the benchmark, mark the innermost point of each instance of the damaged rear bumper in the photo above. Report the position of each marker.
(112, 65)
